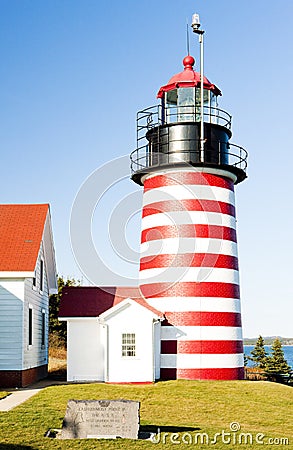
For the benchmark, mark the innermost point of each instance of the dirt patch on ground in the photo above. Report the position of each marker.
(57, 367)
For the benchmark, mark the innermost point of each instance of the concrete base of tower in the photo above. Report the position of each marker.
(235, 373)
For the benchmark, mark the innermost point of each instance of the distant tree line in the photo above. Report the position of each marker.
(273, 363)
(57, 329)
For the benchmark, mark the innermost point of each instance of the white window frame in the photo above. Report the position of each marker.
(128, 345)
(30, 326)
(34, 282)
(43, 331)
(42, 267)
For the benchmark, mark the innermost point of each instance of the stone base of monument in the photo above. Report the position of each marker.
(100, 419)
(142, 435)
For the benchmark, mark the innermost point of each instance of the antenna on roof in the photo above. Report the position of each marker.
(187, 36)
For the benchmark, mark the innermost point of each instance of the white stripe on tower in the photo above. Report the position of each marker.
(189, 270)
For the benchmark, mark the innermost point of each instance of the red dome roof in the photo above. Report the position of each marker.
(188, 78)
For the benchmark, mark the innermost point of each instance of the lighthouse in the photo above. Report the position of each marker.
(189, 261)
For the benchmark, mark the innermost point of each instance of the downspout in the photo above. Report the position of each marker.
(160, 319)
(105, 327)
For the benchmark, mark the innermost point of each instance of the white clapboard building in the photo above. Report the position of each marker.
(113, 335)
(27, 277)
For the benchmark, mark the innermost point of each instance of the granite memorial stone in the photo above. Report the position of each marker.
(100, 419)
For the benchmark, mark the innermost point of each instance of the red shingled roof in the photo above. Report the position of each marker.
(21, 231)
(92, 301)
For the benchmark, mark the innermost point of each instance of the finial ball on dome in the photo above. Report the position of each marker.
(188, 62)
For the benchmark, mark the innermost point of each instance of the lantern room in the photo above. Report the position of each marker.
(181, 97)
(169, 133)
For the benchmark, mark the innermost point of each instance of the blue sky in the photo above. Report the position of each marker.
(74, 73)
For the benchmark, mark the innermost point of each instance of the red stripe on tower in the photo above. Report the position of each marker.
(189, 205)
(221, 347)
(189, 260)
(182, 289)
(202, 318)
(189, 231)
(188, 178)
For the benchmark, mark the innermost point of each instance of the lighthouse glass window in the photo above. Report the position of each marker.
(128, 344)
(186, 104)
(171, 106)
(206, 103)
(214, 111)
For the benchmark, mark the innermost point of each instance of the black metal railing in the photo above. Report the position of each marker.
(144, 157)
(159, 144)
(157, 115)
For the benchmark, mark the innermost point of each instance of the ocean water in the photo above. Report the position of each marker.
(287, 349)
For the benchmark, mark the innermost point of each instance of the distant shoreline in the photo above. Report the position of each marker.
(253, 343)
(268, 340)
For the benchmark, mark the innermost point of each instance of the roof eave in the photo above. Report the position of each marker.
(65, 318)
(49, 252)
(170, 87)
(17, 274)
(124, 304)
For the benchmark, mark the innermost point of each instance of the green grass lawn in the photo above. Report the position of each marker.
(184, 406)
(3, 394)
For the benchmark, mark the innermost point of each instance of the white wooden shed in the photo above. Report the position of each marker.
(27, 277)
(113, 335)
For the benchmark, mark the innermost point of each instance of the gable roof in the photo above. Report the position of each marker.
(92, 301)
(131, 302)
(22, 229)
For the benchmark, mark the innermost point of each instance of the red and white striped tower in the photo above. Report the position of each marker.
(189, 263)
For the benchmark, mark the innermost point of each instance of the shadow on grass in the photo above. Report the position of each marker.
(58, 375)
(166, 429)
(15, 447)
